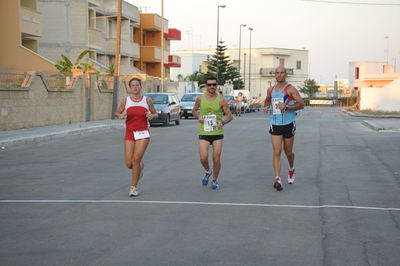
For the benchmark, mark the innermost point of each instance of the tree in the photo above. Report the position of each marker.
(309, 87)
(226, 71)
(65, 66)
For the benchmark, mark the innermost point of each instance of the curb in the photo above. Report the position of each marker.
(57, 135)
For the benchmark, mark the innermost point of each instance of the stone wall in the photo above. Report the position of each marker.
(35, 104)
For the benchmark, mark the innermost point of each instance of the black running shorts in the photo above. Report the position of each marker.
(287, 131)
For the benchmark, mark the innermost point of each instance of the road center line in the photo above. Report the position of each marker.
(204, 203)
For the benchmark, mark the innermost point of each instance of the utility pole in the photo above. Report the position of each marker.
(117, 61)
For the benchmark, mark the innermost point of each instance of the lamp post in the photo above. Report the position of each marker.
(387, 50)
(240, 44)
(394, 64)
(251, 29)
(216, 71)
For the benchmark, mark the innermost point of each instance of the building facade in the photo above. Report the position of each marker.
(257, 65)
(40, 31)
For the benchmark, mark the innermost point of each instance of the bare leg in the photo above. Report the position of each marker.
(134, 152)
(276, 142)
(288, 146)
(203, 149)
(217, 150)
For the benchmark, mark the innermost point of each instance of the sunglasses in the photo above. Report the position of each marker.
(211, 84)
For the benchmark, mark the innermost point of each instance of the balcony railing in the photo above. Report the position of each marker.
(151, 54)
(127, 48)
(267, 72)
(94, 38)
(31, 22)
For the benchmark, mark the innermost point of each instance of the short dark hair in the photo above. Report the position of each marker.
(211, 78)
(137, 79)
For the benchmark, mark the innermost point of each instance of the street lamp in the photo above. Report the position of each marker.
(394, 64)
(387, 51)
(240, 43)
(251, 29)
(223, 6)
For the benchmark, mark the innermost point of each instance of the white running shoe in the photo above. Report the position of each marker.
(291, 177)
(133, 192)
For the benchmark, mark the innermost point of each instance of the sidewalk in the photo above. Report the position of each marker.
(41, 134)
(378, 122)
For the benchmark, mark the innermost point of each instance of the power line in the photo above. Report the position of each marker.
(352, 3)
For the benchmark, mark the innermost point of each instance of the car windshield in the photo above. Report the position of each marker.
(158, 98)
(190, 97)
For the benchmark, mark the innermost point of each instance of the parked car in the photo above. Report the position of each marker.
(230, 99)
(187, 103)
(167, 107)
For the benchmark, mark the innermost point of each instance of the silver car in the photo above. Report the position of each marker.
(187, 103)
(167, 107)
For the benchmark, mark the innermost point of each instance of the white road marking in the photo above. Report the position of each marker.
(205, 203)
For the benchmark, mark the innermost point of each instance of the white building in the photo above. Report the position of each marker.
(378, 84)
(256, 65)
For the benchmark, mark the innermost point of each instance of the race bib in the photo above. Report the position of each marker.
(210, 123)
(275, 107)
(141, 134)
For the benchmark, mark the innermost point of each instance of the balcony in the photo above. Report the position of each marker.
(129, 11)
(151, 22)
(31, 23)
(173, 34)
(128, 48)
(270, 72)
(173, 61)
(151, 54)
(94, 38)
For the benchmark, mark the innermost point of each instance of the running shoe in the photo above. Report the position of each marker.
(141, 172)
(133, 192)
(206, 178)
(278, 184)
(214, 184)
(291, 177)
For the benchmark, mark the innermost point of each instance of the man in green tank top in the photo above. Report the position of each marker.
(211, 128)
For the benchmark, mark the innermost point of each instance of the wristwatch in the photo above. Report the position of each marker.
(287, 108)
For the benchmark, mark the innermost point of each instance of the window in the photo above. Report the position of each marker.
(298, 64)
(357, 74)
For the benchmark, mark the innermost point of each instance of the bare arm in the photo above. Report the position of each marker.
(196, 108)
(294, 93)
(227, 111)
(120, 111)
(267, 100)
(153, 112)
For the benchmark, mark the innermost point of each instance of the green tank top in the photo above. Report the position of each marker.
(213, 114)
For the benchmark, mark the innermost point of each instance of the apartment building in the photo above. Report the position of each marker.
(39, 31)
(20, 28)
(70, 27)
(257, 65)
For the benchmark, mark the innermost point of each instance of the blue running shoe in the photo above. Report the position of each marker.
(214, 184)
(206, 178)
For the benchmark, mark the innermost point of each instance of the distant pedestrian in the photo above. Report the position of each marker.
(211, 128)
(136, 110)
(239, 102)
(282, 101)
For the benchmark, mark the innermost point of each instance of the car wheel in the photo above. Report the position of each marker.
(186, 117)
(178, 121)
(166, 124)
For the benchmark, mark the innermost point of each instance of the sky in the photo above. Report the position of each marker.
(334, 32)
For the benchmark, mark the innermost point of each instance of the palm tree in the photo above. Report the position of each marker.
(65, 66)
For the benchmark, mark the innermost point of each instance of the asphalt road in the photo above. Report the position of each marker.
(65, 201)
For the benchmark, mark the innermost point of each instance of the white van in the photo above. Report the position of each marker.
(247, 105)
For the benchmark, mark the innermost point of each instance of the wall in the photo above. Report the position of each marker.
(34, 103)
(383, 99)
